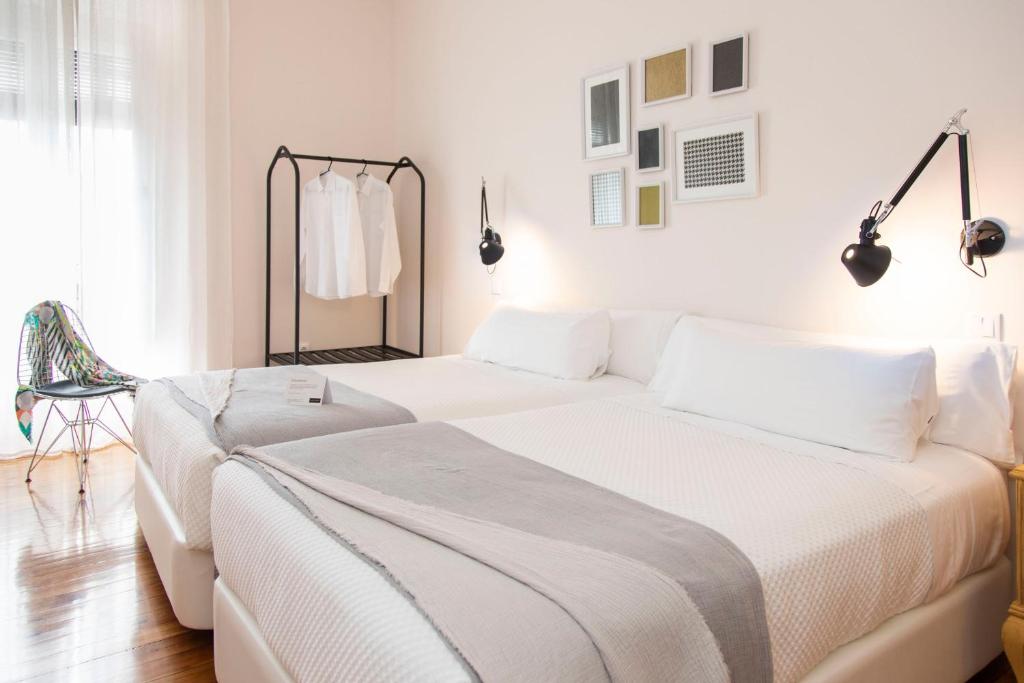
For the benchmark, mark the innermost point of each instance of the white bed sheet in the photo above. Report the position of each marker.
(841, 541)
(182, 457)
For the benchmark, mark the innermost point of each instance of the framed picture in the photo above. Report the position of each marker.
(608, 198)
(650, 205)
(666, 77)
(650, 149)
(728, 65)
(606, 114)
(717, 160)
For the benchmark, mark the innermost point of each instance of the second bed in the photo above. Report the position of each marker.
(841, 544)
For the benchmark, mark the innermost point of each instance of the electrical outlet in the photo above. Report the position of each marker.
(984, 325)
(303, 346)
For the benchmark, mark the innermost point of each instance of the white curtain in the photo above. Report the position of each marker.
(104, 196)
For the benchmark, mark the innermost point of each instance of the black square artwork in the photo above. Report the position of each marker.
(648, 148)
(727, 69)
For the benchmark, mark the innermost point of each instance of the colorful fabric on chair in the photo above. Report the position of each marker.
(52, 342)
(24, 401)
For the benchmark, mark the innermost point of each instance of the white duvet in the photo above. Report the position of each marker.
(841, 541)
(182, 457)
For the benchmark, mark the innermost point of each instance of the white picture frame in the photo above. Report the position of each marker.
(660, 184)
(607, 205)
(606, 130)
(642, 148)
(644, 102)
(744, 65)
(716, 160)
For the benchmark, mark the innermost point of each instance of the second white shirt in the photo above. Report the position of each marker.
(380, 234)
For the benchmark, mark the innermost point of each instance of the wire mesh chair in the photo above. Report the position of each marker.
(37, 369)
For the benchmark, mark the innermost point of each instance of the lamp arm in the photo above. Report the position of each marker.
(485, 219)
(867, 262)
(952, 127)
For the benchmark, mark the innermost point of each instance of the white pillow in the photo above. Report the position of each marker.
(637, 340)
(868, 400)
(975, 409)
(672, 353)
(566, 345)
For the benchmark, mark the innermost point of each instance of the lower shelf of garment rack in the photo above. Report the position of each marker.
(354, 354)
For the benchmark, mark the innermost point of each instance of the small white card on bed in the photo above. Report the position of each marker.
(308, 391)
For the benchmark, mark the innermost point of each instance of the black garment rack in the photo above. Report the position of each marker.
(357, 354)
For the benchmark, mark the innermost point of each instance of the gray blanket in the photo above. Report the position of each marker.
(530, 573)
(257, 414)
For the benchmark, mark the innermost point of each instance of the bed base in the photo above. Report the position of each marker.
(187, 574)
(946, 641)
(240, 654)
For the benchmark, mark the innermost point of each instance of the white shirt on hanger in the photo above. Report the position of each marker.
(380, 234)
(333, 259)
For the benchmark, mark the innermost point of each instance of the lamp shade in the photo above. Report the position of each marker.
(491, 249)
(867, 263)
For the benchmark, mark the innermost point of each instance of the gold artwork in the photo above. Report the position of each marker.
(665, 76)
(650, 205)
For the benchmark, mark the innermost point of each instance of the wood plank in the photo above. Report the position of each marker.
(81, 596)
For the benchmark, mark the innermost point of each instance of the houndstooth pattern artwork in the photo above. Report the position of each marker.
(606, 198)
(716, 160)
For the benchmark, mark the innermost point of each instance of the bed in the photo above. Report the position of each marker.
(177, 456)
(870, 569)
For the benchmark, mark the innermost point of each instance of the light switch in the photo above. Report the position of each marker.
(984, 325)
(497, 284)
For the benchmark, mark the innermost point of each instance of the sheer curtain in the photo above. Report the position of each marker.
(104, 196)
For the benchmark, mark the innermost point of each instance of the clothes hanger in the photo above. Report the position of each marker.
(363, 172)
(328, 169)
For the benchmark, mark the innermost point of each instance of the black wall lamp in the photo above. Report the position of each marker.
(867, 261)
(491, 249)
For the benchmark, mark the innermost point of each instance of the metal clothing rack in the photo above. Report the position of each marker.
(357, 354)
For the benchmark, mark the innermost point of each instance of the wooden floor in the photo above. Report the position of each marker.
(81, 599)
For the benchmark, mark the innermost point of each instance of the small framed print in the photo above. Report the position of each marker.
(606, 114)
(650, 205)
(728, 61)
(608, 198)
(717, 160)
(650, 149)
(666, 77)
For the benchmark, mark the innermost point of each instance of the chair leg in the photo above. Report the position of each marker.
(81, 445)
(36, 457)
(87, 422)
(108, 429)
(113, 404)
(82, 427)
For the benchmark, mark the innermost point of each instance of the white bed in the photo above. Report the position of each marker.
(176, 457)
(842, 542)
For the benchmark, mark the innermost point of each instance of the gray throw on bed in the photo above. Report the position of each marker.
(528, 573)
(257, 414)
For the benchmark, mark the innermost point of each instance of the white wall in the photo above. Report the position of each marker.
(849, 96)
(315, 75)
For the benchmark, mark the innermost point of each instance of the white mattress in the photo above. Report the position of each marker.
(841, 541)
(182, 457)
